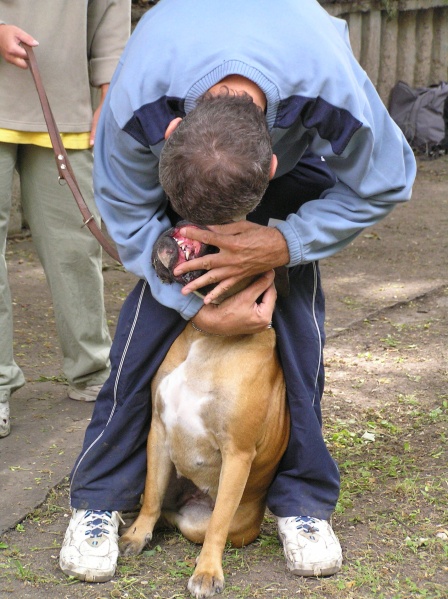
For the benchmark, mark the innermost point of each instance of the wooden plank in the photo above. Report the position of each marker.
(388, 57)
(439, 62)
(407, 26)
(423, 43)
(339, 8)
(355, 28)
(371, 43)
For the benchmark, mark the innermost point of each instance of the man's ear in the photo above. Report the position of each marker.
(273, 167)
(172, 126)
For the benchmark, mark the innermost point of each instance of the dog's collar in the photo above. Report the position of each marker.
(199, 330)
(196, 328)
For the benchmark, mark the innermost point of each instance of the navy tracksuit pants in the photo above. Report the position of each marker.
(110, 471)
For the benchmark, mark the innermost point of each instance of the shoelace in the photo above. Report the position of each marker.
(307, 524)
(97, 523)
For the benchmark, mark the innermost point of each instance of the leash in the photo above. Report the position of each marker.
(62, 162)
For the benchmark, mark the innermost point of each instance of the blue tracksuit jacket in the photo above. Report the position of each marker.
(318, 99)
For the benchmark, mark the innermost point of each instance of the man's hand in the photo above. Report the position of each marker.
(246, 249)
(240, 314)
(10, 48)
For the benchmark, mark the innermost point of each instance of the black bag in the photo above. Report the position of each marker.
(422, 115)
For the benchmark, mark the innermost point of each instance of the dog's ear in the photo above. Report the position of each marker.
(164, 256)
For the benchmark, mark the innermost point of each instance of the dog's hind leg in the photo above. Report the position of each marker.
(158, 476)
(192, 521)
(246, 523)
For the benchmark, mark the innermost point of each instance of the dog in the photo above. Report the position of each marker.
(220, 425)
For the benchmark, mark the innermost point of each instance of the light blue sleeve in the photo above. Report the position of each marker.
(375, 172)
(132, 204)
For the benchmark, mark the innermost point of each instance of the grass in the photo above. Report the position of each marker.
(391, 518)
(393, 502)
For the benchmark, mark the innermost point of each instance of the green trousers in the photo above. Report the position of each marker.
(71, 258)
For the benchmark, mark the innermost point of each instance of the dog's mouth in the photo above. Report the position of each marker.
(172, 249)
(189, 249)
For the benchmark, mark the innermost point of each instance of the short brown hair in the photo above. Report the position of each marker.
(215, 166)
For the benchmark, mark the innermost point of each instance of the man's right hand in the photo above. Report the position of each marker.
(10, 48)
(245, 249)
(241, 314)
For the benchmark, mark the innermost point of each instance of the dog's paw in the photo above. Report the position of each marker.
(131, 543)
(206, 584)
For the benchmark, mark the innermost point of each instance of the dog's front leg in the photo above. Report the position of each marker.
(157, 478)
(208, 577)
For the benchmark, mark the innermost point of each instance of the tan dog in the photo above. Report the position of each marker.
(220, 426)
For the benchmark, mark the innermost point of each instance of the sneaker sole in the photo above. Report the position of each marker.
(328, 571)
(86, 576)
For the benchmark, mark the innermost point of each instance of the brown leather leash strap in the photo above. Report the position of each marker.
(62, 162)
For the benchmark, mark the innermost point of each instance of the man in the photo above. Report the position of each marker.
(294, 61)
(77, 46)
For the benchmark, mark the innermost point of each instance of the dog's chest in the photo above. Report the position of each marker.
(186, 399)
(183, 403)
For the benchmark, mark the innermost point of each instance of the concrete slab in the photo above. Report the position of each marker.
(47, 433)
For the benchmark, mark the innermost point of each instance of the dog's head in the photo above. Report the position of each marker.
(171, 249)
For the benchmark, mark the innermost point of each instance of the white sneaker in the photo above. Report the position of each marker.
(5, 423)
(87, 394)
(311, 548)
(90, 548)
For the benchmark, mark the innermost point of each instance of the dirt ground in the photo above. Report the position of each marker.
(385, 415)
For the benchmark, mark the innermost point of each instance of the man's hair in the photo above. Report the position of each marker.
(214, 167)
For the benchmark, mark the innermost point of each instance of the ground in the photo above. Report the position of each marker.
(385, 416)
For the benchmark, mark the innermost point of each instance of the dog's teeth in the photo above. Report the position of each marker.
(187, 254)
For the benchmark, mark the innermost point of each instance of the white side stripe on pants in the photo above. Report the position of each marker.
(120, 367)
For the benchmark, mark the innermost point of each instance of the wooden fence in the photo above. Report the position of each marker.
(397, 40)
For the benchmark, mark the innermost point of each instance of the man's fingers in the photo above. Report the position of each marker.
(210, 262)
(202, 235)
(208, 278)
(233, 228)
(243, 313)
(269, 298)
(208, 236)
(260, 285)
(219, 290)
(250, 294)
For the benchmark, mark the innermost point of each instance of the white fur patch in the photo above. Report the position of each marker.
(184, 397)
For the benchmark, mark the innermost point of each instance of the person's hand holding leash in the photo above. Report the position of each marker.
(10, 48)
(246, 249)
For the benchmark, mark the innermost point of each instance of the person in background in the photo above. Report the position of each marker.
(77, 47)
(294, 62)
